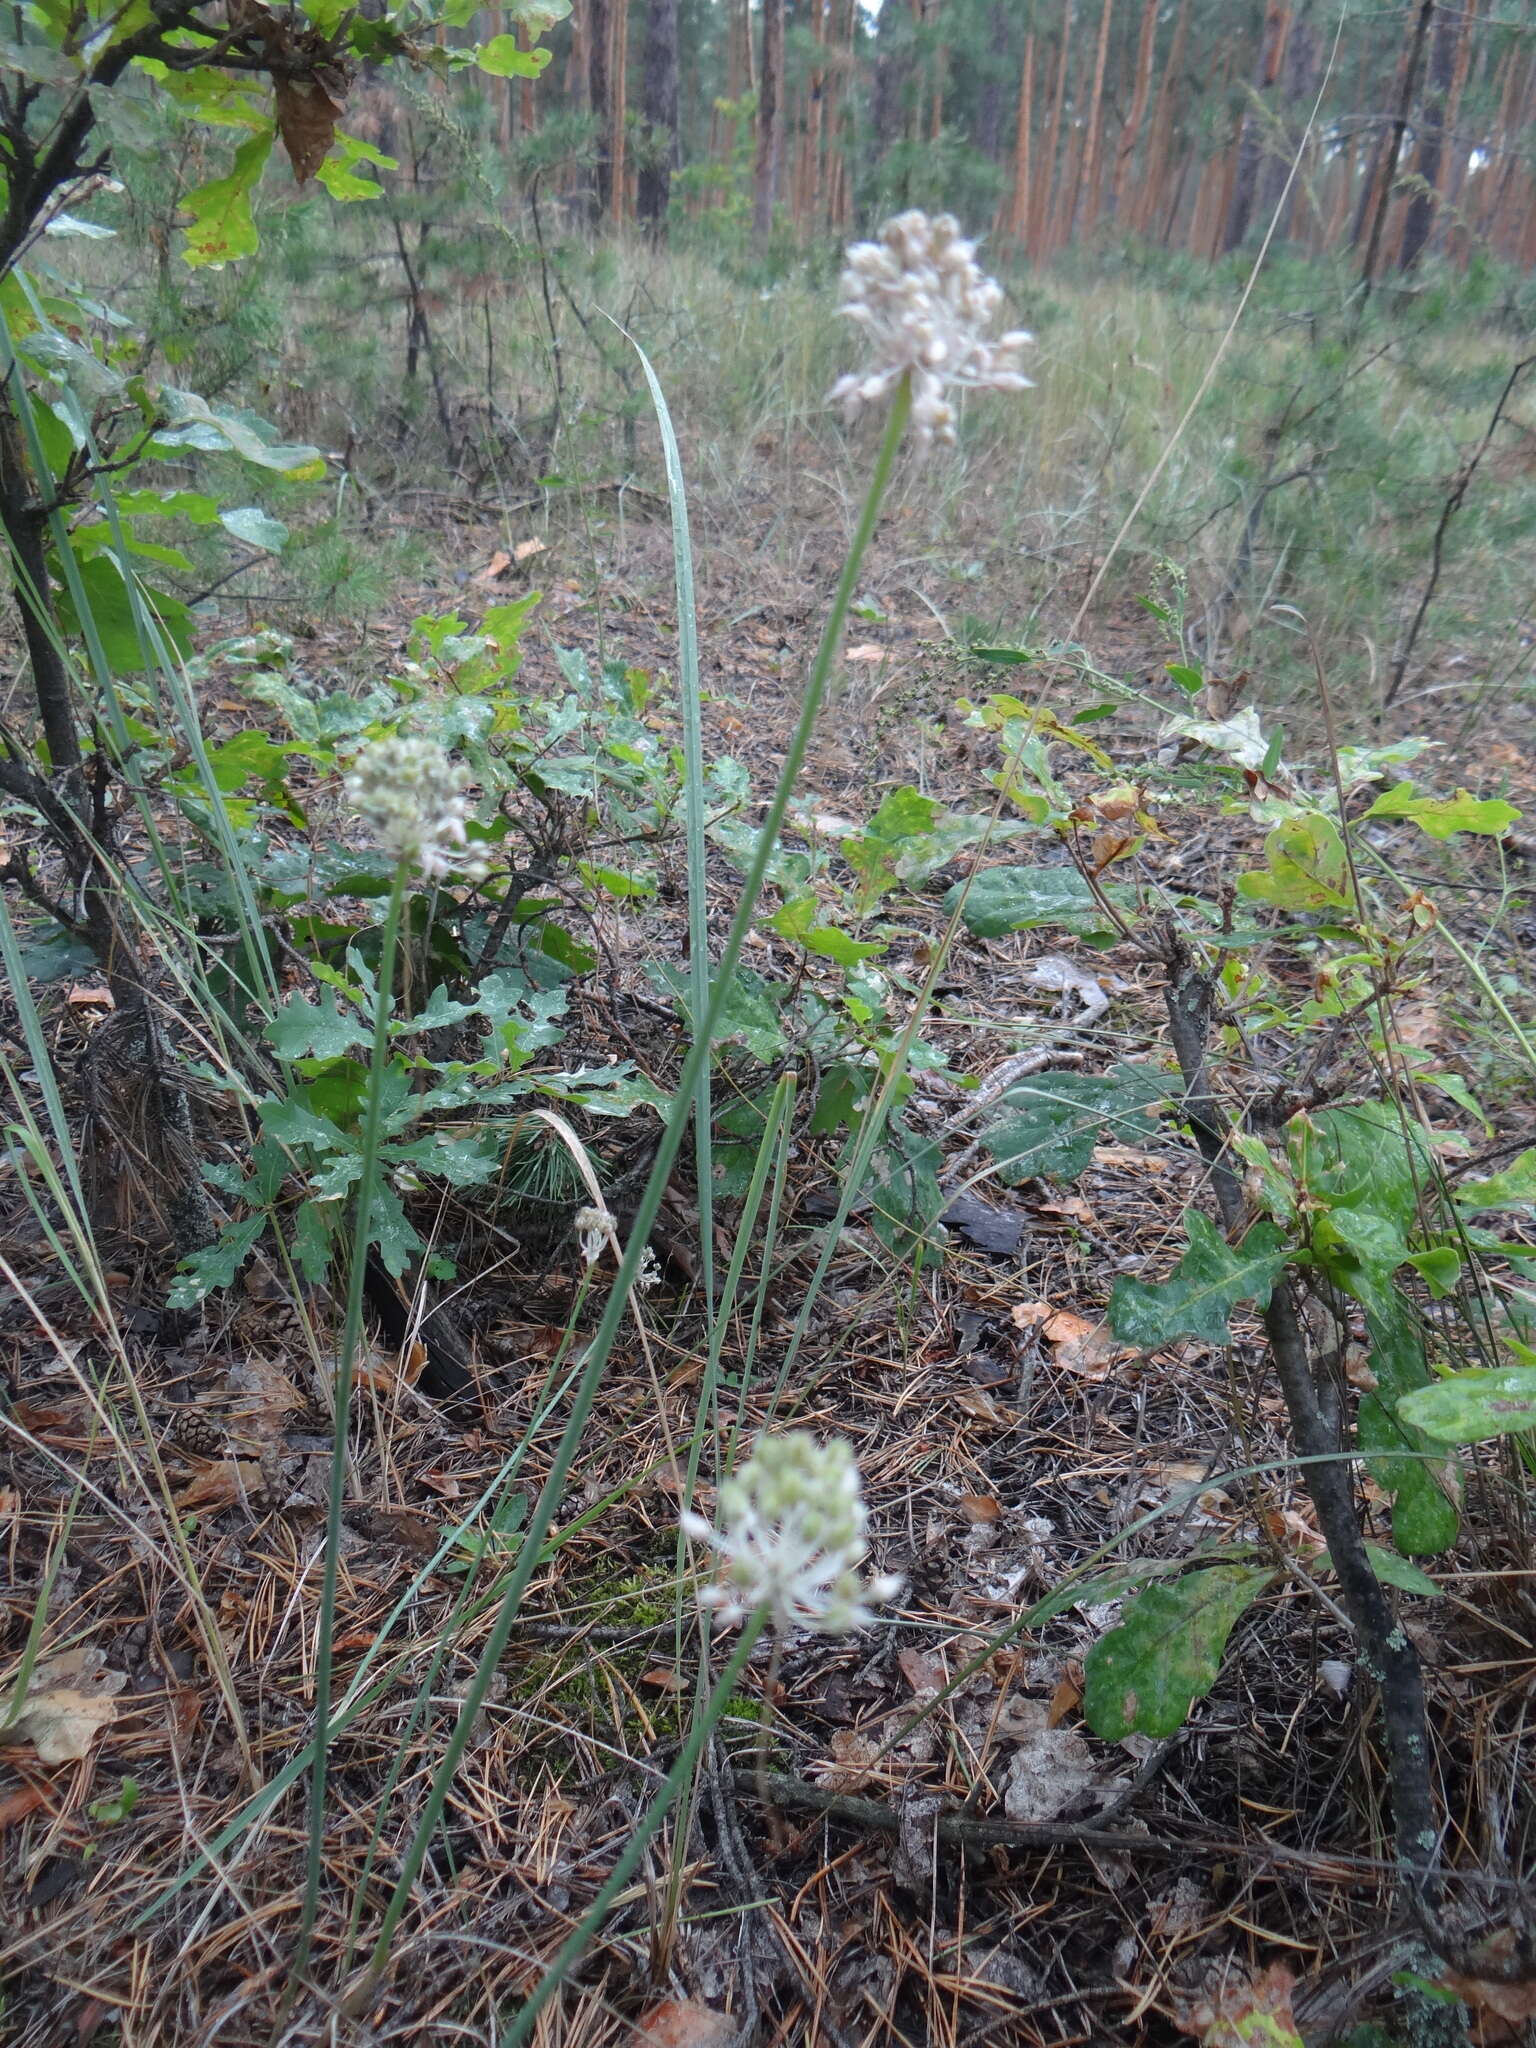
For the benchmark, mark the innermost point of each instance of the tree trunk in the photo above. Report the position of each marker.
(1040, 238)
(599, 31)
(810, 145)
(992, 100)
(1018, 213)
(618, 108)
(770, 121)
(1254, 130)
(1434, 117)
(577, 83)
(1296, 91)
(1162, 127)
(1085, 199)
(1140, 93)
(25, 525)
(659, 105)
(1395, 142)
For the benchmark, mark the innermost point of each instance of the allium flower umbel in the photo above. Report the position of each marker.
(594, 1227)
(926, 307)
(791, 1539)
(411, 797)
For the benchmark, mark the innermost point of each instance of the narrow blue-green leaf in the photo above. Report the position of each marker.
(693, 795)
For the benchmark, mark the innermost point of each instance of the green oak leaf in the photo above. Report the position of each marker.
(1018, 899)
(502, 58)
(256, 528)
(338, 174)
(1425, 1519)
(222, 228)
(301, 1027)
(1514, 1188)
(1200, 1293)
(1053, 1120)
(217, 1264)
(1442, 817)
(1472, 1407)
(1308, 868)
(1143, 1676)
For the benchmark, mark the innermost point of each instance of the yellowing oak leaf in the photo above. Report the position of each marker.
(69, 1701)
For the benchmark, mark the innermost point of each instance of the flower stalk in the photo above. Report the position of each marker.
(542, 1514)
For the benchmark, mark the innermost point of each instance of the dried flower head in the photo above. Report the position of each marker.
(791, 1537)
(411, 797)
(925, 305)
(594, 1227)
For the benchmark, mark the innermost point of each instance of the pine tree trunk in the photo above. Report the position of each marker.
(599, 29)
(1456, 154)
(618, 107)
(1085, 198)
(1254, 128)
(1505, 214)
(1040, 237)
(1145, 214)
(809, 205)
(527, 105)
(1018, 212)
(498, 17)
(841, 130)
(659, 103)
(1140, 93)
(992, 102)
(577, 86)
(1395, 141)
(1434, 116)
(1338, 212)
(1296, 90)
(1230, 171)
(769, 121)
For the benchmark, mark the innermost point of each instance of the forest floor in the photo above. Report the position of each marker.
(988, 1873)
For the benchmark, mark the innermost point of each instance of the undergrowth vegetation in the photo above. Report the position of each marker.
(495, 1125)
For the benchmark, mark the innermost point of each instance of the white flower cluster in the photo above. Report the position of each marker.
(920, 296)
(595, 1228)
(411, 797)
(792, 1539)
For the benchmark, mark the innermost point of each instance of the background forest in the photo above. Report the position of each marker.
(769, 1075)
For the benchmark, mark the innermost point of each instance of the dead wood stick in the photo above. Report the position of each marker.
(796, 1795)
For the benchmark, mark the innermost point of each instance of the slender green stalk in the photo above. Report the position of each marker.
(352, 1330)
(42, 1065)
(776, 1127)
(650, 1200)
(693, 797)
(10, 1711)
(681, 1774)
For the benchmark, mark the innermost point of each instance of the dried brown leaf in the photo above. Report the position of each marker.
(69, 1701)
(980, 1507)
(1243, 2010)
(220, 1485)
(1052, 1768)
(18, 1803)
(1124, 1156)
(685, 2023)
(306, 120)
(854, 1761)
